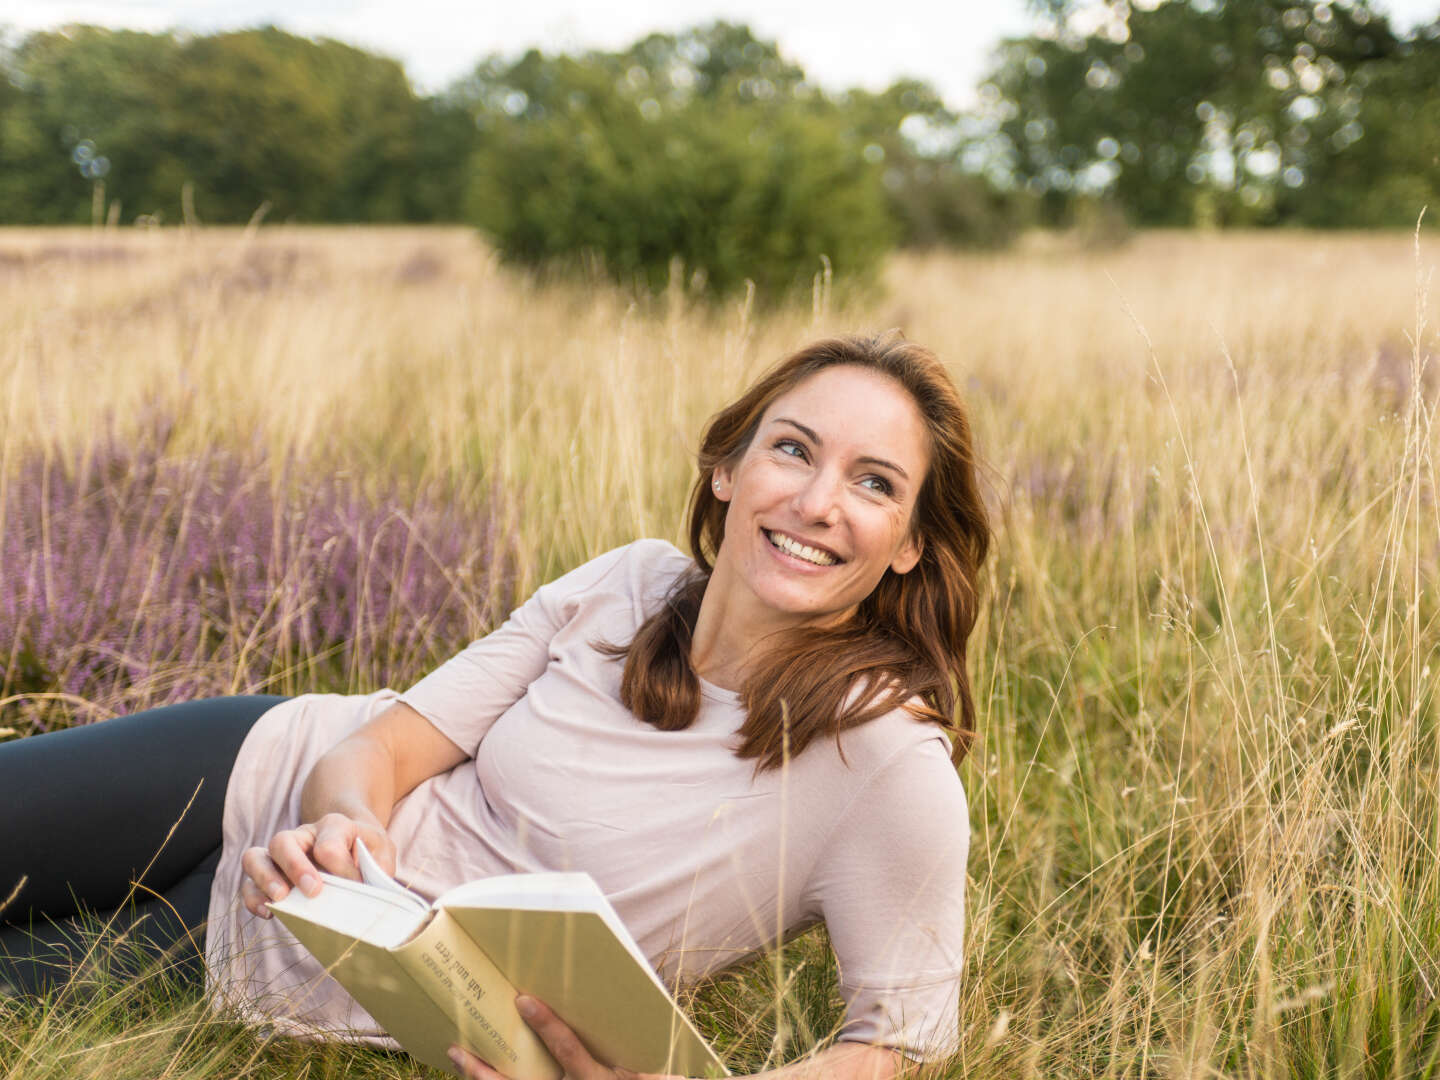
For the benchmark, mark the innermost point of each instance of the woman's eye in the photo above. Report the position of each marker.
(878, 484)
(789, 446)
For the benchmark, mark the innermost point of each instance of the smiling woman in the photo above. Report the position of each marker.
(816, 516)
(736, 744)
(838, 504)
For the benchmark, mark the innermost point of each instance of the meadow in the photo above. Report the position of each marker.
(1205, 786)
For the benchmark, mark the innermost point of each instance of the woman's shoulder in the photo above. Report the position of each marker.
(904, 804)
(640, 573)
(640, 559)
(898, 748)
(651, 556)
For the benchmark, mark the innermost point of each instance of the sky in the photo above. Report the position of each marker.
(839, 43)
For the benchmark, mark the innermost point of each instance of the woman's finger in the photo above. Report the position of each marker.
(471, 1067)
(254, 900)
(261, 871)
(334, 847)
(290, 851)
(564, 1045)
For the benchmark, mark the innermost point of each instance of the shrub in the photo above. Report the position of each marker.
(138, 578)
(735, 192)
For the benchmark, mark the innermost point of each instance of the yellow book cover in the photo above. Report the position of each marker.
(448, 972)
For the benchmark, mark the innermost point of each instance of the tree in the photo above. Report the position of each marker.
(319, 130)
(85, 111)
(378, 120)
(688, 147)
(719, 62)
(1215, 110)
(918, 140)
(1386, 162)
(437, 174)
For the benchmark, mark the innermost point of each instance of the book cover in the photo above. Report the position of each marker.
(448, 972)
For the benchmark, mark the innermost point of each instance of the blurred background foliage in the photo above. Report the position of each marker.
(1212, 112)
(709, 151)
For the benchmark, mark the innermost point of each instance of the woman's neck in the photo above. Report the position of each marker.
(731, 623)
(726, 630)
(718, 649)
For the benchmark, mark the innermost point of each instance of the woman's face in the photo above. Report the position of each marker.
(821, 502)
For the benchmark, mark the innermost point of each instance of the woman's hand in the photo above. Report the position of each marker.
(295, 857)
(348, 795)
(564, 1046)
(843, 1061)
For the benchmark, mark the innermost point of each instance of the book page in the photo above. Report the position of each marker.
(355, 910)
(372, 875)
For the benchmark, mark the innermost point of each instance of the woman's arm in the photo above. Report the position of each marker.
(843, 1061)
(352, 790)
(381, 762)
(349, 795)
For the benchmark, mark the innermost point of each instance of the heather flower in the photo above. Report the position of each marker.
(136, 578)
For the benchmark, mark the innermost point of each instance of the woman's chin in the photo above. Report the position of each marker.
(806, 606)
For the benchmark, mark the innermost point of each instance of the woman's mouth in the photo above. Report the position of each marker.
(791, 546)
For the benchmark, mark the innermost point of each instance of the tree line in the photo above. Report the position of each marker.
(1311, 112)
(708, 149)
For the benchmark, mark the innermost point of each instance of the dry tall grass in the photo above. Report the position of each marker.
(1204, 801)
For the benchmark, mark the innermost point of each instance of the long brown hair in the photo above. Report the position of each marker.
(906, 641)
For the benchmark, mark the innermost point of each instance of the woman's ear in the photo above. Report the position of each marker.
(721, 481)
(908, 557)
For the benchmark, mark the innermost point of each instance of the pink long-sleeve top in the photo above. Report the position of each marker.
(705, 860)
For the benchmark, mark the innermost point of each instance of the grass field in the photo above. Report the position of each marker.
(1204, 796)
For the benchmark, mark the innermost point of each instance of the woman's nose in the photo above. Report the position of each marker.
(819, 500)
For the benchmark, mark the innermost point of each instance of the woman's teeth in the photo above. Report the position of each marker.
(801, 551)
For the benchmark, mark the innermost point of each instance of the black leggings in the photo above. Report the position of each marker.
(86, 819)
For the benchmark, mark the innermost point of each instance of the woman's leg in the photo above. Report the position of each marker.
(44, 954)
(117, 814)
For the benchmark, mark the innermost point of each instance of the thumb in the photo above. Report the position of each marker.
(334, 846)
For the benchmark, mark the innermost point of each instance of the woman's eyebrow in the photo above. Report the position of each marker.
(884, 465)
(815, 438)
(809, 433)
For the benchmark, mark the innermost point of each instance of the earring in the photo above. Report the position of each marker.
(716, 483)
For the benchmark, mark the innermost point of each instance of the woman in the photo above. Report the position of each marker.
(735, 745)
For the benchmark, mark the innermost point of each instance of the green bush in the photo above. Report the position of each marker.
(734, 192)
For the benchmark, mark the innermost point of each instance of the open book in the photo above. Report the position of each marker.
(448, 972)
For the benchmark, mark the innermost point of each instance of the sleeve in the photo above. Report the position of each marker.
(465, 695)
(890, 885)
